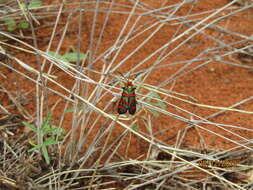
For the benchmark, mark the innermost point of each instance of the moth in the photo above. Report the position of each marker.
(128, 99)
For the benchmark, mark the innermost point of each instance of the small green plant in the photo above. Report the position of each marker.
(51, 135)
(13, 25)
(32, 4)
(68, 57)
(157, 102)
(154, 99)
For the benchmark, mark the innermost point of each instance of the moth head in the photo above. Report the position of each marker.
(129, 86)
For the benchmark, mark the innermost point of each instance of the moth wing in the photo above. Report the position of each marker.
(123, 105)
(132, 104)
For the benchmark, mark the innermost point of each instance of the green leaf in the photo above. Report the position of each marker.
(45, 123)
(73, 56)
(11, 24)
(22, 6)
(47, 129)
(57, 56)
(50, 141)
(139, 79)
(69, 110)
(23, 25)
(53, 130)
(34, 4)
(154, 112)
(37, 147)
(9, 20)
(12, 28)
(58, 131)
(45, 154)
(32, 127)
(60, 57)
(158, 103)
(135, 127)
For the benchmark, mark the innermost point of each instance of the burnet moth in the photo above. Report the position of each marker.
(128, 100)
